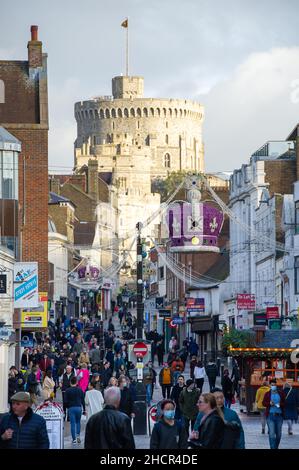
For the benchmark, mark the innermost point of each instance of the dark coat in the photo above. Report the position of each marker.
(32, 383)
(211, 371)
(106, 376)
(267, 399)
(109, 429)
(66, 382)
(175, 393)
(165, 436)
(30, 434)
(126, 402)
(291, 405)
(227, 387)
(211, 431)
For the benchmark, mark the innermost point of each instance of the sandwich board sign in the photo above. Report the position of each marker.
(53, 414)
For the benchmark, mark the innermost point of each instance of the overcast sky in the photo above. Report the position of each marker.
(238, 58)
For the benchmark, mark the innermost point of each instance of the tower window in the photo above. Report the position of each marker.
(167, 160)
(166, 139)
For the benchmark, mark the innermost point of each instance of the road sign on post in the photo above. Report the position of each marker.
(140, 348)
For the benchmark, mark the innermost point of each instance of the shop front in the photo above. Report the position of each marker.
(272, 358)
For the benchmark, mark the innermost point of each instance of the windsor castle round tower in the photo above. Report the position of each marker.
(132, 135)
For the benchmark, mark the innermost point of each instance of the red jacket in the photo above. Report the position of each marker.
(267, 399)
(44, 364)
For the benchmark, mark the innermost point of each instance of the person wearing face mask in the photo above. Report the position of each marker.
(168, 433)
(291, 406)
(274, 402)
(126, 400)
(187, 400)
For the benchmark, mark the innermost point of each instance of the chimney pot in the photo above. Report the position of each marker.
(34, 30)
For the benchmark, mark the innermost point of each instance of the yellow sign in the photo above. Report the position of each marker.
(36, 317)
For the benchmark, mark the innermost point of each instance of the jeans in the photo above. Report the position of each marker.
(75, 413)
(227, 403)
(212, 381)
(263, 418)
(166, 391)
(199, 384)
(274, 423)
(148, 393)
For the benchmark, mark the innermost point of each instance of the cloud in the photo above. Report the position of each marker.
(259, 102)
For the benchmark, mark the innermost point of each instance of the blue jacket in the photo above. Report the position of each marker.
(30, 434)
(229, 415)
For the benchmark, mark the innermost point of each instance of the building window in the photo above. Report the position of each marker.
(2, 92)
(8, 175)
(167, 160)
(161, 273)
(296, 268)
(166, 124)
(166, 139)
(297, 217)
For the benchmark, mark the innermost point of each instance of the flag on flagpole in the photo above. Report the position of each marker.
(125, 23)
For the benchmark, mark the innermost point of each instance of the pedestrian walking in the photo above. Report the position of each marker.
(160, 351)
(126, 399)
(291, 406)
(211, 371)
(228, 388)
(148, 382)
(65, 383)
(188, 404)
(199, 375)
(83, 377)
(235, 377)
(166, 380)
(21, 428)
(175, 394)
(274, 401)
(110, 428)
(259, 397)
(94, 400)
(210, 433)
(74, 400)
(234, 437)
(48, 386)
(33, 385)
(168, 433)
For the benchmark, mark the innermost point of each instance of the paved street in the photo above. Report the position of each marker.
(252, 428)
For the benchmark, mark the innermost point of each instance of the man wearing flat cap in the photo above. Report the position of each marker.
(21, 428)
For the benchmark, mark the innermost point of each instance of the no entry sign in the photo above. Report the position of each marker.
(140, 348)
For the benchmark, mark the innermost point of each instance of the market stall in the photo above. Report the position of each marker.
(262, 362)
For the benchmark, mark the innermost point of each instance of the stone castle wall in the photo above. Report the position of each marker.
(168, 130)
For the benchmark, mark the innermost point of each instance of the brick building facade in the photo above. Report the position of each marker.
(24, 113)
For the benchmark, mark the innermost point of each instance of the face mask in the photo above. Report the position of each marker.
(169, 414)
(273, 388)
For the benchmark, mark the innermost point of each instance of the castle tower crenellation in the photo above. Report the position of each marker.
(169, 131)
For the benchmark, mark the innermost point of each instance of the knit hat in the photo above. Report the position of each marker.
(21, 396)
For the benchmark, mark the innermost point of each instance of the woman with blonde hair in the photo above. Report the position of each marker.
(210, 432)
(113, 382)
(48, 386)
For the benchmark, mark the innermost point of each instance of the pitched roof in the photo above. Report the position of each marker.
(279, 339)
(8, 141)
(56, 198)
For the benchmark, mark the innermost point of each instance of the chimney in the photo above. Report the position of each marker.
(93, 179)
(54, 185)
(35, 56)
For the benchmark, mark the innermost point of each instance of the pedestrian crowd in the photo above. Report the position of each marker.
(91, 368)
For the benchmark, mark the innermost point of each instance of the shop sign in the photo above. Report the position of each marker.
(164, 313)
(53, 414)
(36, 317)
(259, 319)
(3, 283)
(246, 302)
(272, 312)
(25, 285)
(274, 324)
(195, 306)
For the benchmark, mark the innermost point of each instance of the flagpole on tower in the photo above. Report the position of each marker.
(125, 24)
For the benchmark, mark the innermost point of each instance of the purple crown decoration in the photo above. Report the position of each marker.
(88, 272)
(193, 226)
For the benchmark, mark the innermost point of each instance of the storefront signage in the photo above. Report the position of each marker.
(246, 302)
(3, 284)
(178, 321)
(25, 285)
(36, 317)
(164, 313)
(272, 312)
(195, 306)
(53, 414)
(260, 319)
(274, 324)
